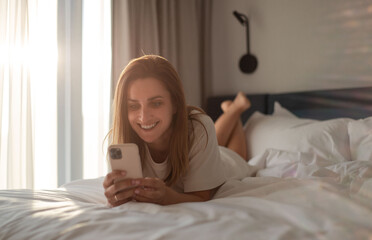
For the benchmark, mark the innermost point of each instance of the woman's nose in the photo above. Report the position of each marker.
(144, 115)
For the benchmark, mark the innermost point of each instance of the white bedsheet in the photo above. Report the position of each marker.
(294, 196)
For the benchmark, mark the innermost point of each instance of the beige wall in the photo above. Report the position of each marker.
(300, 45)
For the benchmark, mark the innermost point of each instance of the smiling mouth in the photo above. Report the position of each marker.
(148, 127)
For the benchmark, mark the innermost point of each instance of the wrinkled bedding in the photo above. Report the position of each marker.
(287, 195)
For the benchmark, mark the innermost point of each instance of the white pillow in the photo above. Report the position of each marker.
(281, 111)
(284, 131)
(360, 133)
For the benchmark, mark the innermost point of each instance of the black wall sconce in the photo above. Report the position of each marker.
(248, 62)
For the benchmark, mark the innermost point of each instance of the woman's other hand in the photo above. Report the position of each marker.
(151, 190)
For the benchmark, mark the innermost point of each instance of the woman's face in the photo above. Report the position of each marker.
(150, 111)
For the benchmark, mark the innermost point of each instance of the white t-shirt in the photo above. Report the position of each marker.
(210, 165)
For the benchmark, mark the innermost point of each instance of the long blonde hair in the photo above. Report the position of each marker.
(180, 142)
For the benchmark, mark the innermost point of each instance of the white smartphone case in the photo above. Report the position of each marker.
(125, 157)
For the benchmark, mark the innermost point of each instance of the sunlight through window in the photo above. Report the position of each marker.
(43, 72)
(96, 84)
(28, 77)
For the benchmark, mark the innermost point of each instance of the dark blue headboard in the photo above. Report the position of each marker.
(354, 103)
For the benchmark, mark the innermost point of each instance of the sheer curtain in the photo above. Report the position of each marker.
(52, 128)
(96, 84)
(28, 64)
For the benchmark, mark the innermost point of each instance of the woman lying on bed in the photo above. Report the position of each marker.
(178, 145)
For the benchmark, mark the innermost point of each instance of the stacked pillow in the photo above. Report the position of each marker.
(284, 131)
(360, 133)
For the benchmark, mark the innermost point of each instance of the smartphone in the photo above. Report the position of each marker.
(125, 157)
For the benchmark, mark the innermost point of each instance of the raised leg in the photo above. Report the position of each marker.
(228, 126)
(238, 141)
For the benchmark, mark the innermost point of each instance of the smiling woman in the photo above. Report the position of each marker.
(177, 143)
(28, 85)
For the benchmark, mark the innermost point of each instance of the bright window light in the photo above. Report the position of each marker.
(43, 72)
(28, 114)
(96, 83)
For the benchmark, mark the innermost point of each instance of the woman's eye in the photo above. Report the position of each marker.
(156, 104)
(133, 106)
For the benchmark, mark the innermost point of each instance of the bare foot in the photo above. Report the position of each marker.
(225, 105)
(241, 102)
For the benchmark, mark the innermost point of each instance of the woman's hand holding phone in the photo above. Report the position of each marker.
(117, 189)
(126, 183)
(125, 163)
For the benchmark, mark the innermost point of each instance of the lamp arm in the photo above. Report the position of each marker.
(247, 29)
(246, 23)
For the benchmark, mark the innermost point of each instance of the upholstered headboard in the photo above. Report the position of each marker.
(354, 103)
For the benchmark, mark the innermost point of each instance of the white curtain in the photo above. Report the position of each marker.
(176, 29)
(33, 153)
(28, 60)
(84, 78)
(96, 84)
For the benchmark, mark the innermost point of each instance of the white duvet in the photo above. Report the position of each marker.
(289, 195)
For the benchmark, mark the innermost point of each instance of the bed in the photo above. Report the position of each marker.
(310, 178)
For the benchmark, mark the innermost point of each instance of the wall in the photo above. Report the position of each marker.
(300, 45)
